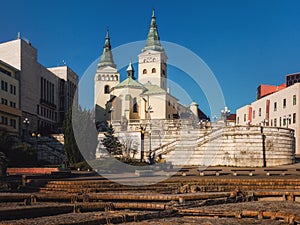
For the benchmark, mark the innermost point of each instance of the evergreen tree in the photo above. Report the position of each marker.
(81, 136)
(112, 143)
(70, 146)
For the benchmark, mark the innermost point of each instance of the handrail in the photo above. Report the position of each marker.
(167, 146)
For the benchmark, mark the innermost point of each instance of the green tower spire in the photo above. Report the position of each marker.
(153, 40)
(130, 70)
(107, 57)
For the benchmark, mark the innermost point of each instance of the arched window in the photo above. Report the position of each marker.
(153, 70)
(116, 77)
(144, 71)
(107, 77)
(103, 77)
(112, 77)
(106, 89)
(134, 109)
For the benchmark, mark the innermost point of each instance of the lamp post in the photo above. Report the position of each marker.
(111, 112)
(142, 130)
(26, 123)
(202, 123)
(150, 130)
(225, 112)
(36, 135)
(215, 118)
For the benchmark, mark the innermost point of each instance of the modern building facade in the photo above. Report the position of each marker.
(279, 108)
(138, 99)
(10, 112)
(46, 94)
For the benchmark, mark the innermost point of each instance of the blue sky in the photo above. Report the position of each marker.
(245, 43)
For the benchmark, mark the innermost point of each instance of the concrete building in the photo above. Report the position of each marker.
(278, 108)
(46, 94)
(10, 112)
(138, 99)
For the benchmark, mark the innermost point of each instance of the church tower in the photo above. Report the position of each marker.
(153, 59)
(106, 77)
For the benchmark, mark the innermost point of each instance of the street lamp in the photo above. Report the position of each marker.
(149, 110)
(26, 123)
(142, 130)
(225, 112)
(111, 112)
(215, 118)
(36, 135)
(202, 123)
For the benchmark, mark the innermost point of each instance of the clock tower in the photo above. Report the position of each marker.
(106, 77)
(153, 60)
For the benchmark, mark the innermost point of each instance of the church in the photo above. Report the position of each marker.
(142, 99)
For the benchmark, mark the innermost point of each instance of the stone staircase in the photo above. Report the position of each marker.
(48, 149)
(196, 148)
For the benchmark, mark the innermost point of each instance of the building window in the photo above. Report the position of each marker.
(271, 123)
(294, 100)
(4, 120)
(259, 112)
(13, 123)
(135, 108)
(245, 117)
(144, 71)
(13, 104)
(284, 121)
(253, 114)
(116, 77)
(275, 122)
(3, 101)
(106, 89)
(4, 85)
(5, 71)
(169, 103)
(280, 121)
(164, 72)
(284, 103)
(13, 89)
(275, 106)
(294, 117)
(238, 120)
(153, 70)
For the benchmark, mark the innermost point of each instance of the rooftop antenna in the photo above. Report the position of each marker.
(19, 35)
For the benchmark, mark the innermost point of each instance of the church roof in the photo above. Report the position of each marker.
(107, 57)
(153, 40)
(129, 81)
(152, 89)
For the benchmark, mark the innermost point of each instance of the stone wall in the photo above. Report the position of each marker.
(241, 146)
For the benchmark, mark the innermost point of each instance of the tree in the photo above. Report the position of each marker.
(81, 137)
(129, 148)
(112, 143)
(5, 142)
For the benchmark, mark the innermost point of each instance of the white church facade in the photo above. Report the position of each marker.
(138, 99)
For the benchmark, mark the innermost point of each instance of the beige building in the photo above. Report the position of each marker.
(278, 109)
(138, 99)
(10, 112)
(46, 94)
